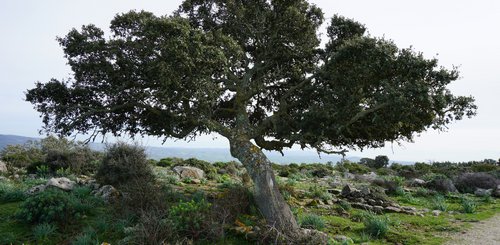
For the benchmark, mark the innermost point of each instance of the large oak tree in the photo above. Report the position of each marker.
(255, 72)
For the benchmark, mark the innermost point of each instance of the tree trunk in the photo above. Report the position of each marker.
(267, 196)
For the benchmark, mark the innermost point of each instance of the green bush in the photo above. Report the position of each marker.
(345, 205)
(468, 206)
(21, 156)
(352, 167)
(188, 218)
(43, 231)
(124, 163)
(439, 203)
(50, 206)
(376, 226)
(312, 221)
(316, 191)
(9, 193)
(60, 153)
(168, 162)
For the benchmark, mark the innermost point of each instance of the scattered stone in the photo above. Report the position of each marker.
(369, 176)
(496, 193)
(108, 193)
(483, 192)
(392, 209)
(62, 183)
(36, 189)
(378, 209)
(334, 191)
(343, 239)
(189, 172)
(348, 175)
(347, 190)
(417, 182)
(196, 181)
(365, 191)
(3, 167)
(361, 206)
(436, 212)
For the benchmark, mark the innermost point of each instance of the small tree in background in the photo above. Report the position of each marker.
(254, 72)
(380, 161)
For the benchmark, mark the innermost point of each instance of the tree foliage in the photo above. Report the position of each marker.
(250, 69)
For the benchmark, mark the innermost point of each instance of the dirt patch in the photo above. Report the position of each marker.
(486, 232)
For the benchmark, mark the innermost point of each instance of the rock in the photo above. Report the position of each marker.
(335, 182)
(483, 192)
(392, 209)
(3, 178)
(62, 183)
(189, 172)
(411, 209)
(313, 203)
(196, 181)
(347, 190)
(496, 193)
(365, 191)
(334, 191)
(343, 239)
(369, 176)
(441, 185)
(372, 202)
(107, 193)
(378, 209)
(36, 189)
(436, 212)
(3, 167)
(361, 206)
(329, 202)
(417, 182)
(348, 175)
(359, 199)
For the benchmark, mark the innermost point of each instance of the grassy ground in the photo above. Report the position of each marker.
(102, 226)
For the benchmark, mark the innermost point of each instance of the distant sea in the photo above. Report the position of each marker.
(209, 154)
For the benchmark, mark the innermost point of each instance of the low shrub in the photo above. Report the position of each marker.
(9, 193)
(21, 156)
(152, 228)
(60, 153)
(345, 205)
(439, 203)
(352, 167)
(124, 163)
(50, 206)
(188, 218)
(169, 162)
(316, 191)
(469, 182)
(376, 226)
(312, 221)
(468, 205)
(43, 231)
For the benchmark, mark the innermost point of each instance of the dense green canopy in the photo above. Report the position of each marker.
(247, 68)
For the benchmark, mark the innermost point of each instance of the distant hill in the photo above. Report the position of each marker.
(6, 140)
(207, 154)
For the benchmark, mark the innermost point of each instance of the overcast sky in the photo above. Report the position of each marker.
(462, 33)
